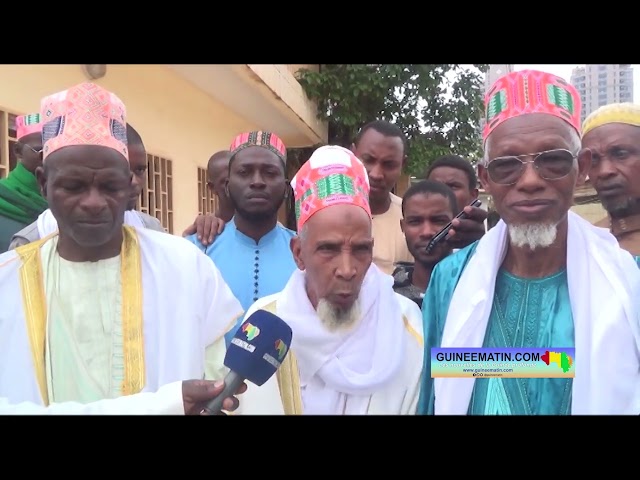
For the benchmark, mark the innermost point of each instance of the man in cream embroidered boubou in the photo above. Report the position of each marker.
(357, 345)
(99, 312)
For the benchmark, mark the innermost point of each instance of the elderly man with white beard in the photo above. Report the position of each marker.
(357, 346)
(543, 277)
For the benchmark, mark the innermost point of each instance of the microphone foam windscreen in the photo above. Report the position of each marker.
(258, 347)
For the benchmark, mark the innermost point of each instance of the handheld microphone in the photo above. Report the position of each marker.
(255, 353)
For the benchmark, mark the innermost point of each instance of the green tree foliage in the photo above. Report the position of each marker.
(439, 107)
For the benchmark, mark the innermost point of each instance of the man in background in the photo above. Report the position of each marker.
(217, 173)
(612, 133)
(207, 227)
(253, 251)
(382, 148)
(426, 207)
(459, 175)
(20, 199)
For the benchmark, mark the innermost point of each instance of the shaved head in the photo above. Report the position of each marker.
(217, 174)
(218, 165)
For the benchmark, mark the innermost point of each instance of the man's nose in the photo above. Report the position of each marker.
(346, 267)
(603, 168)
(530, 178)
(257, 180)
(375, 172)
(429, 230)
(94, 202)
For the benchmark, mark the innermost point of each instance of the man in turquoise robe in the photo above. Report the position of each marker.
(543, 277)
(253, 252)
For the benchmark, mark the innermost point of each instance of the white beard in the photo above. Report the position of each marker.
(533, 235)
(336, 319)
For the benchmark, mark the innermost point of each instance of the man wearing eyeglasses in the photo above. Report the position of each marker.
(20, 199)
(612, 133)
(543, 277)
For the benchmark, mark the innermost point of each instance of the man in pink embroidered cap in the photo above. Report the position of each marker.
(253, 253)
(46, 223)
(357, 345)
(98, 321)
(542, 278)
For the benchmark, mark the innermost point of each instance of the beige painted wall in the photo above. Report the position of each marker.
(592, 212)
(176, 120)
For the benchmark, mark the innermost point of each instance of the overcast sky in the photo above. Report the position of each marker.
(564, 71)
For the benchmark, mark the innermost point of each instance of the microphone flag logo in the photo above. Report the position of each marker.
(251, 331)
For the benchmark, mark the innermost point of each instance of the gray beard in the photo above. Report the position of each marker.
(622, 208)
(336, 319)
(533, 235)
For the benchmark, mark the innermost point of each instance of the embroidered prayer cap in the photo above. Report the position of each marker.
(259, 138)
(628, 113)
(28, 124)
(85, 114)
(332, 176)
(530, 91)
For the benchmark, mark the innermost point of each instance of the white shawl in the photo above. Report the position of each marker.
(340, 371)
(604, 288)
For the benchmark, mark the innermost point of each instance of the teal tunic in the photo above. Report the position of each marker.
(526, 313)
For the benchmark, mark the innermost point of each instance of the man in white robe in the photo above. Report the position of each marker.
(101, 309)
(357, 345)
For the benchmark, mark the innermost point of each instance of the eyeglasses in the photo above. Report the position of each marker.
(37, 152)
(550, 165)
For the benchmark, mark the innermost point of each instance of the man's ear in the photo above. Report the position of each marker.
(17, 149)
(483, 176)
(226, 187)
(584, 165)
(296, 249)
(41, 178)
(402, 225)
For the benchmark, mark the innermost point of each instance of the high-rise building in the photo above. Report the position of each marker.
(494, 73)
(490, 76)
(602, 84)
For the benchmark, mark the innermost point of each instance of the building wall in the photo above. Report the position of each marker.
(177, 121)
(592, 212)
(602, 84)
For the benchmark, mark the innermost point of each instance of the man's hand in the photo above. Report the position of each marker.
(197, 393)
(465, 231)
(206, 227)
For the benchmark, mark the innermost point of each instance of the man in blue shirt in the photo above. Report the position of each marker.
(253, 252)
